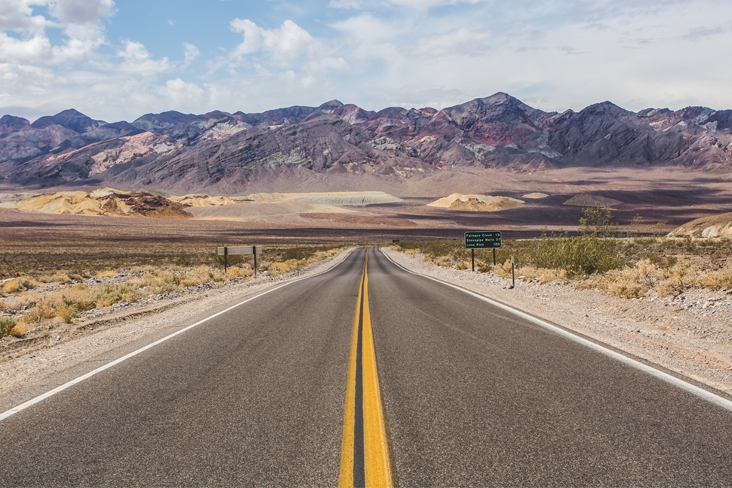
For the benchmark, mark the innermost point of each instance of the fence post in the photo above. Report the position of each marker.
(513, 274)
(472, 258)
(254, 249)
(226, 258)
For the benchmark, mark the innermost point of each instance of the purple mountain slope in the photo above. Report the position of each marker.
(172, 150)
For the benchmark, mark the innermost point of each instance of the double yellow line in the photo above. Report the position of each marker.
(365, 459)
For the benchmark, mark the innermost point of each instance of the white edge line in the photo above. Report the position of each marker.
(693, 389)
(59, 389)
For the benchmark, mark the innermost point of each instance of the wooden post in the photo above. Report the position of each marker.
(472, 256)
(226, 258)
(254, 248)
(513, 275)
(494, 256)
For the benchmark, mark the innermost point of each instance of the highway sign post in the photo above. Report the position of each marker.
(227, 251)
(483, 239)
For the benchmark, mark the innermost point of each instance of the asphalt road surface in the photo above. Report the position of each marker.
(470, 395)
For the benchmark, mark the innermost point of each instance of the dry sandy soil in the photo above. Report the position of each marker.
(673, 195)
(690, 334)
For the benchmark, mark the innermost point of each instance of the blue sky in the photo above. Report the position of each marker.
(119, 59)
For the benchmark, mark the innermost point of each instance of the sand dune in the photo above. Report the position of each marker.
(535, 196)
(105, 201)
(202, 200)
(714, 226)
(590, 200)
(476, 203)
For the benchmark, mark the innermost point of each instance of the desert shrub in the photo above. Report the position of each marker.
(43, 310)
(234, 273)
(27, 282)
(679, 277)
(586, 254)
(107, 295)
(715, 280)
(19, 284)
(78, 297)
(11, 286)
(21, 328)
(174, 278)
(66, 312)
(630, 282)
(598, 222)
(55, 278)
(542, 274)
(463, 265)
(6, 325)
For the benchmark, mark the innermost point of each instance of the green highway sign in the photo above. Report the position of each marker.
(489, 239)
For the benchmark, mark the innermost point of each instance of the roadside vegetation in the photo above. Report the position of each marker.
(603, 256)
(43, 291)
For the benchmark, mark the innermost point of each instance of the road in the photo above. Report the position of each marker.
(369, 377)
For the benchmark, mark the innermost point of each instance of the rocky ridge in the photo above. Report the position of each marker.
(226, 152)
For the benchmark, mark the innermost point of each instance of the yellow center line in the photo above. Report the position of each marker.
(365, 459)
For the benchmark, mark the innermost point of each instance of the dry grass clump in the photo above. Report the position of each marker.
(623, 265)
(59, 277)
(19, 284)
(531, 272)
(108, 295)
(11, 286)
(33, 308)
(42, 311)
(105, 274)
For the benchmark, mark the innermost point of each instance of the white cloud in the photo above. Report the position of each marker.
(32, 50)
(427, 4)
(282, 44)
(191, 53)
(554, 55)
(345, 4)
(182, 95)
(81, 11)
(80, 21)
(137, 60)
(17, 15)
(458, 42)
(414, 4)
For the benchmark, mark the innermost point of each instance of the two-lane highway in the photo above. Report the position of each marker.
(369, 374)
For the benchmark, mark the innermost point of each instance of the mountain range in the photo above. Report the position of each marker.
(229, 153)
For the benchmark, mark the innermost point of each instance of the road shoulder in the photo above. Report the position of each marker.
(677, 340)
(27, 372)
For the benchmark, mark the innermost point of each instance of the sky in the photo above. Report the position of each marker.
(119, 59)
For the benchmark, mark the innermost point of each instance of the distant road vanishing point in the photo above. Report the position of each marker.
(369, 375)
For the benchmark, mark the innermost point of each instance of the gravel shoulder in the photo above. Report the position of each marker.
(690, 334)
(46, 359)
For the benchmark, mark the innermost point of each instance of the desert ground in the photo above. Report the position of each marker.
(403, 210)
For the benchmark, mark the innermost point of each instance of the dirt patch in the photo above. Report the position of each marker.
(362, 220)
(341, 198)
